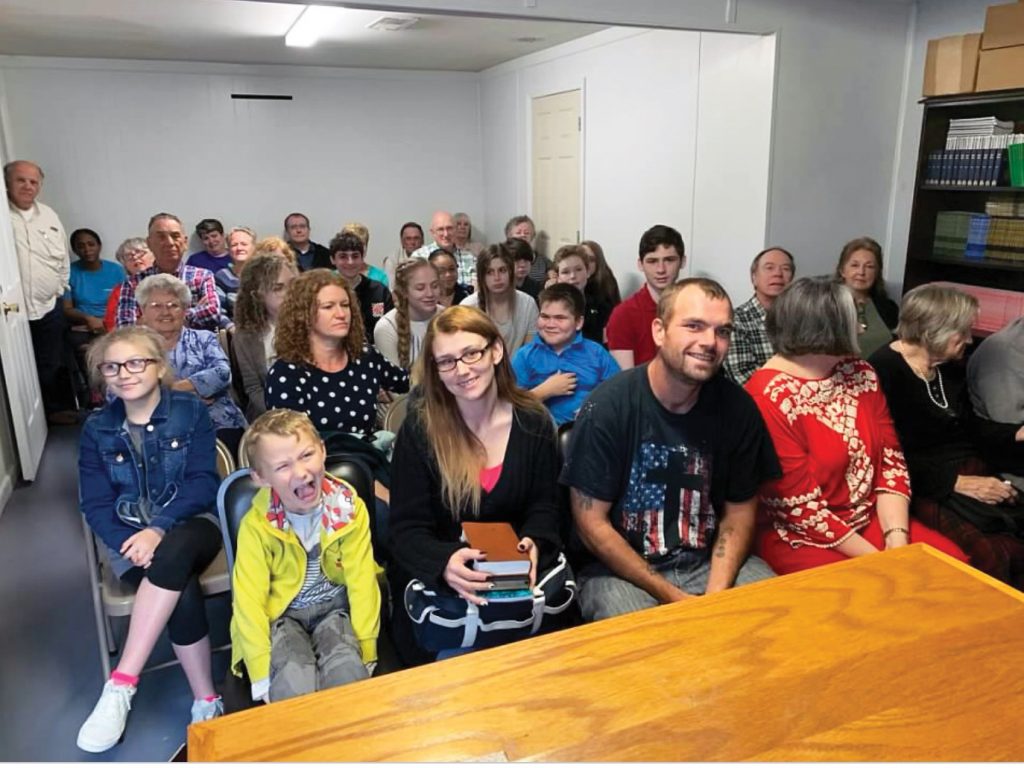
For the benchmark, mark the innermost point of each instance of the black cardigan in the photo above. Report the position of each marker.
(423, 534)
(935, 442)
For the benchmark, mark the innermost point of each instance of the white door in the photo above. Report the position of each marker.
(17, 357)
(557, 128)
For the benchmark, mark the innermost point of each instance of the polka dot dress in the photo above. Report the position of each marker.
(345, 401)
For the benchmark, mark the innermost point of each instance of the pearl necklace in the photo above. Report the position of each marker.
(944, 405)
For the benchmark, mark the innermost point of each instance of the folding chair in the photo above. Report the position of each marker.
(112, 598)
(396, 413)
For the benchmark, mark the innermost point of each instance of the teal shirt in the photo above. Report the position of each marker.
(89, 291)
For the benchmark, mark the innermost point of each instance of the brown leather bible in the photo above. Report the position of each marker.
(500, 542)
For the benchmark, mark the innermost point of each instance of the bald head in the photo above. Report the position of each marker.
(24, 180)
(442, 227)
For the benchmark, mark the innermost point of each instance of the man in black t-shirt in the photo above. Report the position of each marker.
(347, 255)
(664, 466)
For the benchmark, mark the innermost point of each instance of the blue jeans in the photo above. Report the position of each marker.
(603, 594)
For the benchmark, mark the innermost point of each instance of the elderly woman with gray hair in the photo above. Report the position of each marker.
(196, 357)
(845, 488)
(954, 492)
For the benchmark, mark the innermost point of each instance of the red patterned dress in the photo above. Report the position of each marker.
(838, 450)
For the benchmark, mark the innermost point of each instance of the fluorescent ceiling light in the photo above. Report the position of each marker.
(308, 26)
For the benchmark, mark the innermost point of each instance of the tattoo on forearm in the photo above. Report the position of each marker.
(585, 502)
(720, 544)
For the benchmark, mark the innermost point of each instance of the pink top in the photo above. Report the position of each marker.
(489, 477)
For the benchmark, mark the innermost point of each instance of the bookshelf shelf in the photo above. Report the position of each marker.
(986, 264)
(930, 200)
(952, 188)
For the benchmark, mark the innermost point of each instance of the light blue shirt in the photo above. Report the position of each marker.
(534, 363)
(89, 291)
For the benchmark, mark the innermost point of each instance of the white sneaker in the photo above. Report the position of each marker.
(207, 710)
(104, 726)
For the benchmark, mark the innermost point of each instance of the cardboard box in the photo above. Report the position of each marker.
(1001, 68)
(951, 65)
(1004, 26)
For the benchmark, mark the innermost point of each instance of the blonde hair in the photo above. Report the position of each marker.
(403, 274)
(145, 338)
(275, 244)
(359, 230)
(459, 453)
(280, 422)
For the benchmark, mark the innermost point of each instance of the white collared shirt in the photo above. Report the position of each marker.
(41, 245)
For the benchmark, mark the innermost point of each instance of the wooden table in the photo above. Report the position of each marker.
(903, 655)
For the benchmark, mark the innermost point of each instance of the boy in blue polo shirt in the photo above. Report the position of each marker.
(560, 366)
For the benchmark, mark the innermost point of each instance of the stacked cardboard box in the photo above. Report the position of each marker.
(1001, 60)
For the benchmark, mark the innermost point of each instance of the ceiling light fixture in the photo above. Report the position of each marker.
(308, 26)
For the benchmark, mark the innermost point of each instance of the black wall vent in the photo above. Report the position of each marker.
(262, 96)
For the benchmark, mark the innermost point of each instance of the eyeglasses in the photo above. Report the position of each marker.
(171, 306)
(469, 357)
(135, 255)
(134, 365)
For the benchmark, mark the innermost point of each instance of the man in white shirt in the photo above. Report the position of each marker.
(442, 229)
(41, 246)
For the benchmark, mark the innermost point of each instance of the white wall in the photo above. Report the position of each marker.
(730, 199)
(639, 108)
(934, 18)
(839, 88)
(676, 131)
(120, 141)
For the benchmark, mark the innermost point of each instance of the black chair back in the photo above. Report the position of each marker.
(356, 472)
(234, 498)
(575, 550)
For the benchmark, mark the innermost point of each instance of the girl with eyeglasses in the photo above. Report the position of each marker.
(147, 486)
(474, 447)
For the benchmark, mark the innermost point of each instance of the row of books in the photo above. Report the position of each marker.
(972, 161)
(978, 237)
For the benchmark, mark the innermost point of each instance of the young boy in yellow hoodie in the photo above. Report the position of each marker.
(306, 600)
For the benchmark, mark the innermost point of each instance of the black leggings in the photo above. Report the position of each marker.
(180, 558)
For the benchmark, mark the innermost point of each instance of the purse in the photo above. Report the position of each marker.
(442, 620)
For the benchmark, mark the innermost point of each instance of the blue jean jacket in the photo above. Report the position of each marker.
(178, 459)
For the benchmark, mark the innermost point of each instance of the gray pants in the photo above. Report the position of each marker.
(312, 649)
(603, 595)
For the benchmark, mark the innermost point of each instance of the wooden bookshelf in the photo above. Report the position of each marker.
(922, 266)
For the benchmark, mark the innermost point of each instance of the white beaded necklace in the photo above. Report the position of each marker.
(944, 405)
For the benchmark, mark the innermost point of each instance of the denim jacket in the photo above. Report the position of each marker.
(180, 467)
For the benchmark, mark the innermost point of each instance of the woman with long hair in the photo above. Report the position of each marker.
(475, 447)
(860, 270)
(602, 282)
(261, 291)
(513, 312)
(147, 487)
(399, 334)
(845, 487)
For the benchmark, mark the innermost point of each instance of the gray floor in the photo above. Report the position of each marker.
(50, 672)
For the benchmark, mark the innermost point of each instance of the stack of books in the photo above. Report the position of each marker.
(1005, 204)
(975, 153)
(965, 235)
(506, 566)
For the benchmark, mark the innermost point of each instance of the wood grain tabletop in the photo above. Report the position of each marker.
(902, 655)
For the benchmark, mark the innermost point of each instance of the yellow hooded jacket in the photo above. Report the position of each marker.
(270, 566)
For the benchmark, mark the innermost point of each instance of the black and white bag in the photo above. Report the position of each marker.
(441, 620)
